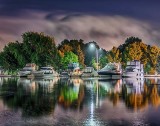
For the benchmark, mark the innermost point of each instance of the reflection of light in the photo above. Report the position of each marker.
(92, 110)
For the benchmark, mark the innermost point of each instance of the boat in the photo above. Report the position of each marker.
(64, 74)
(111, 69)
(133, 69)
(45, 72)
(27, 70)
(74, 70)
(89, 72)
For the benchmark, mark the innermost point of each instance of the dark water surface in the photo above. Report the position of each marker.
(76, 102)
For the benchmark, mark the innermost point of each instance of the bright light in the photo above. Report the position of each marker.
(92, 45)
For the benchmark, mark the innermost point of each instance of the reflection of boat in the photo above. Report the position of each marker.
(110, 85)
(89, 72)
(134, 69)
(76, 72)
(24, 81)
(45, 72)
(76, 81)
(27, 70)
(110, 69)
(28, 84)
(134, 85)
(47, 83)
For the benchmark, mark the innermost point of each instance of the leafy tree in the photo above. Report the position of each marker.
(135, 49)
(35, 48)
(40, 49)
(80, 55)
(69, 57)
(12, 56)
(76, 46)
(114, 55)
(103, 61)
(94, 63)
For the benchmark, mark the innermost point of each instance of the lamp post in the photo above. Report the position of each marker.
(97, 54)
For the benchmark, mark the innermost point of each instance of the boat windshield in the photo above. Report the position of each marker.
(109, 67)
(46, 68)
(26, 70)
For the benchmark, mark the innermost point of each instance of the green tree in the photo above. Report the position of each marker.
(135, 49)
(12, 56)
(35, 48)
(40, 49)
(94, 64)
(103, 61)
(69, 57)
(114, 55)
(76, 46)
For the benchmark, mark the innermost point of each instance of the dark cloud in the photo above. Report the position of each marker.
(108, 31)
(103, 21)
(141, 9)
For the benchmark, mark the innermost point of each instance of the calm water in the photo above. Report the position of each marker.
(76, 102)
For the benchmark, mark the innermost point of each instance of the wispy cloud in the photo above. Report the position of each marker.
(107, 30)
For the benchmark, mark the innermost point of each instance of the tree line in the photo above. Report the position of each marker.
(41, 49)
(135, 49)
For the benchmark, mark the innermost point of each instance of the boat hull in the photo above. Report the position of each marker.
(41, 74)
(133, 74)
(22, 74)
(108, 73)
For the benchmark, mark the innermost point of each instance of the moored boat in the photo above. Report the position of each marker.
(89, 72)
(133, 69)
(45, 72)
(27, 70)
(111, 69)
(64, 74)
(74, 70)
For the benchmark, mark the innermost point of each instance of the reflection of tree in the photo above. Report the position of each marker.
(136, 101)
(32, 103)
(154, 96)
(39, 103)
(69, 97)
(114, 97)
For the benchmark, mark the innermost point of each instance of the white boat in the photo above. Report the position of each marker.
(27, 70)
(133, 69)
(89, 72)
(45, 72)
(76, 72)
(111, 69)
(64, 74)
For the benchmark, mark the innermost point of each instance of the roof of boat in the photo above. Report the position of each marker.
(110, 66)
(47, 67)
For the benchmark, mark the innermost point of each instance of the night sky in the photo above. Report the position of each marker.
(108, 23)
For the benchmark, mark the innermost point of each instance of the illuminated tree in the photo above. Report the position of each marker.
(69, 57)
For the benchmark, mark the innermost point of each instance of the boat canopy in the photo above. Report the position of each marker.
(111, 66)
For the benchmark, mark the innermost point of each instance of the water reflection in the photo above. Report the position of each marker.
(33, 97)
(71, 93)
(79, 101)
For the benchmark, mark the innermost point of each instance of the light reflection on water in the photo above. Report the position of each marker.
(78, 101)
